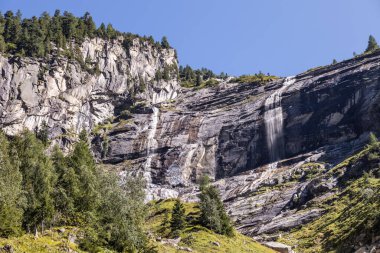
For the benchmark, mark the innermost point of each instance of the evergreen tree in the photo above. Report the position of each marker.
(101, 32)
(177, 222)
(111, 32)
(90, 25)
(213, 214)
(37, 179)
(69, 24)
(12, 30)
(198, 80)
(165, 42)
(10, 191)
(334, 61)
(2, 28)
(372, 44)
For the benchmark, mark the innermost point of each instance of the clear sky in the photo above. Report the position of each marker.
(282, 37)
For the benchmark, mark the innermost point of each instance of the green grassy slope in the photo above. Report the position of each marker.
(196, 237)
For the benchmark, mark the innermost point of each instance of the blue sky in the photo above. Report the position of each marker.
(282, 37)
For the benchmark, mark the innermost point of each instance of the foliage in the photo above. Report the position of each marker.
(71, 191)
(196, 78)
(52, 241)
(195, 236)
(213, 214)
(257, 78)
(165, 43)
(372, 44)
(10, 191)
(177, 222)
(38, 181)
(39, 37)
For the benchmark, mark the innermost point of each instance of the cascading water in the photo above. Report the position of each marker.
(273, 119)
(151, 144)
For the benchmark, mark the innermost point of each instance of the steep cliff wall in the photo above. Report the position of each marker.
(222, 131)
(74, 94)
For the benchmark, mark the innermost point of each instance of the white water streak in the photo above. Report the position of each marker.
(273, 119)
(151, 144)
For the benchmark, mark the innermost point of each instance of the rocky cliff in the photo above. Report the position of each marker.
(265, 145)
(79, 93)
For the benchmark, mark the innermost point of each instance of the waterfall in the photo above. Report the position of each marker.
(151, 144)
(273, 119)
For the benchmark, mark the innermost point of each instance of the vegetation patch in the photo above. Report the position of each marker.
(257, 78)
(195, 236)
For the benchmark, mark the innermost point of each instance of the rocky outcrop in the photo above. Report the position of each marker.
(74, 94)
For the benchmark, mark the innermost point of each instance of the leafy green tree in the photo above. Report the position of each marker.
(66, 189)
(38, 181)
(213, 214)
(165, 43)
(177, 222)
(372, 44)
(122, 212)
(83, 163)
(10, 191)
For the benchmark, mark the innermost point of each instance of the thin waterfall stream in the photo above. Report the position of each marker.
(273, 118)
(151, 144)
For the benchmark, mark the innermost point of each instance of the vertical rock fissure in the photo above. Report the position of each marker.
(151, 144)
(273, 120)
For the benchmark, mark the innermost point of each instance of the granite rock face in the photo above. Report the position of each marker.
(71, 95)
(141, 124)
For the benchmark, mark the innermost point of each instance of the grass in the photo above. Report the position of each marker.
(51, 241)
(196, 237)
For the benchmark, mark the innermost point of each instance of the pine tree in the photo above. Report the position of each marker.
(10, 191)
(372, 44)
(198, 80)
(334, 62)
(165, 43)
(101, 31)
(177, 222)
(111, 32)
(90, 25)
